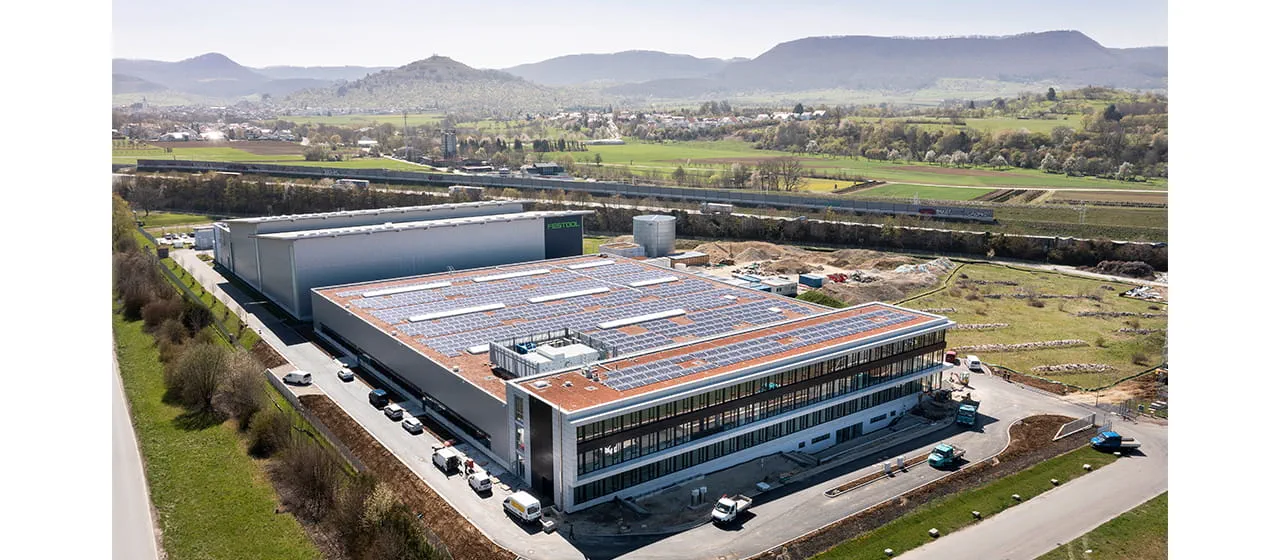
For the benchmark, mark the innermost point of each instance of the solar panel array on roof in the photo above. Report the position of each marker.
(708, 311)
(670, 367)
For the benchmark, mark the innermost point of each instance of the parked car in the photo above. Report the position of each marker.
(393, 411)
(298, 377)
(412, 425)
(378, 398)
(346, 374)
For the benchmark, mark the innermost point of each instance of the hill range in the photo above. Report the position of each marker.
(854, 63)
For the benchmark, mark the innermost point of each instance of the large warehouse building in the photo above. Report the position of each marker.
(592, 377)
(284, 257)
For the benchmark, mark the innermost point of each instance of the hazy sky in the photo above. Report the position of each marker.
(499, 34)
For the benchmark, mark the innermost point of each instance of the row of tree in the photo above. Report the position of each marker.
(216, 383)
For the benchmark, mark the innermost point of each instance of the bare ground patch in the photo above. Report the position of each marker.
(463, 539)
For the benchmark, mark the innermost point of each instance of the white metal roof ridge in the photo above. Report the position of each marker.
(404, 289)
(593, 264)
(420, 224)
(456, 312)
(653, 281)
(368, 211)
(640, 319)
(567, 295)
(516, 274)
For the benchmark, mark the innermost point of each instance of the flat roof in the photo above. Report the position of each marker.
(455, 311)
(633, 376)
(368, 212)
(422, 224)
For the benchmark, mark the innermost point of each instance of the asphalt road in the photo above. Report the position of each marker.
(788, 513)
(133, 533)
(1067, 512)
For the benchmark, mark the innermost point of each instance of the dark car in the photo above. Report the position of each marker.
(378, 398)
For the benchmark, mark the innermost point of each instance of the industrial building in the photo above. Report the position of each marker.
(284, 257)
(592, 377)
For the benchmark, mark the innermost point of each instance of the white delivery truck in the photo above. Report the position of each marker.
(447, 459)
(523, 506)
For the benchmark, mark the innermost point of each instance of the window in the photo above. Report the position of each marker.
(822, 437)
(879, 418)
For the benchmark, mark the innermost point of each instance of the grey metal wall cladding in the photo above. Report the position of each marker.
(329, 220)
(244, 252)
(277, 273)
(329, 261)
(563, 237)
(476, 405)
(752, 198)
(656, 233)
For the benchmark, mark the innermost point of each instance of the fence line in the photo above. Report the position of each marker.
(313, 421)
(1076, 426)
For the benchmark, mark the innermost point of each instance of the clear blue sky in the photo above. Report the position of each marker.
(499, 34)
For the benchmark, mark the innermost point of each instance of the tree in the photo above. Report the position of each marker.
(1112, 114)
(790, 173)
(335, 139)
(679, 175)
(1049, 164)
(999, 162)
(598, 159)
(240, 395)
(1052, 95)
(960, 158)
(1073, 165)
(929, 156)
(194, 380)
(1125, 171)
(894, 155)
(146, 196)
(799, 108)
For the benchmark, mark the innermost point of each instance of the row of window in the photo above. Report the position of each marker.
(709, 425)
(657, 469)
(675, 408)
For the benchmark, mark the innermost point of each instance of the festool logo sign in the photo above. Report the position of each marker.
(563, 225)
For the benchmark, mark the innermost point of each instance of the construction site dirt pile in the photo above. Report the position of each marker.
(788, 266)
(889, 287)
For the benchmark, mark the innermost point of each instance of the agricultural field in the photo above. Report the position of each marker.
(357, 121)
(972, 291)
(282, 153)
(1114, 197)
(893, 190)
(716, 154)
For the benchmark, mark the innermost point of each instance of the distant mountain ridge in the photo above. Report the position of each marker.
(619, 67)
(850, 63)
(438, 82)
(877, 63)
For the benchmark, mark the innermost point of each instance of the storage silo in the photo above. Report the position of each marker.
(656, 233)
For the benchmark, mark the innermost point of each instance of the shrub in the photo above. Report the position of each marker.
(171, 331)
(269, 432)
(1100, 342)
(195, 316)
(193, 380)
(972, 296)
(240, 395)
(160, 310)
(314, 474)
(1033, 302)
(1140, 358)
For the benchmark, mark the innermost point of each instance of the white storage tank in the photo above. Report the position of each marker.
(656, 233)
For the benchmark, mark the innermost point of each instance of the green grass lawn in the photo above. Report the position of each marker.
(212, 500)
(169, 219)
(1142, 533)
(202, 153)
(591, 243)
(893, 190)
(952, 513)
(1032, 324)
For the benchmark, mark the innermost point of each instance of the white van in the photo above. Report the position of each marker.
(974, 364)
(523, 506)
(298, 377)
(447, 459)
(480, 482)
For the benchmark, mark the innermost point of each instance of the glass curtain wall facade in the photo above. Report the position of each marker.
(630, 436)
